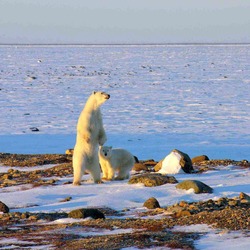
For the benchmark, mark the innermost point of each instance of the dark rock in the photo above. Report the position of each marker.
(86, 212)
(185, 162)
(4, 208)
(136, 159)
(34, 129)
(200, 158)
(152, 180)
(198, 186)
(151, 203)
(66, 199)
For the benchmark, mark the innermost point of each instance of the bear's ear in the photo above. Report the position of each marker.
(94, 92)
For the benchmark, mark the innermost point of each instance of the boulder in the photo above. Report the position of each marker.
(140, 167)
(86, 212)
(244, 198)
(197, 186)
(4, 208)
(69, 151)
(151, 203)
(158, 166)
(185, 161)
(200, 158)
(174, 163)
(152, 180)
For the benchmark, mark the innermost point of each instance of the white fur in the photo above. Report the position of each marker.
(112, 160)
(90, 134)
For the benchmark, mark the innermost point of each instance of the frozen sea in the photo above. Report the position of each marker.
(191, 97)
(195, 98)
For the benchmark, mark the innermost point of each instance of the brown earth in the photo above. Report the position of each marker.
(27, 230)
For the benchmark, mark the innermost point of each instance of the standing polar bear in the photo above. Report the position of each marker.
(115, 159)
(90, 134)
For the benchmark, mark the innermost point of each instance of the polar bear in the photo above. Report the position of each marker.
(90, 134)
(115, 159)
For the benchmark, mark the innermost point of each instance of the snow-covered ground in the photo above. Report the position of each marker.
(193, 98)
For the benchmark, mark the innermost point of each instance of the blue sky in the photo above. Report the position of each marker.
(124, 21)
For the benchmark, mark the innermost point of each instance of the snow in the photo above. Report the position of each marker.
(217, 238)
(171, 164)
(192, 98)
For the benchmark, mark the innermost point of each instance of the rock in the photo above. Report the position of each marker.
(244, 197)
(233, 203)
(171, 164)
(158, 166)
(31, 78)
(34, 129)
(151, 203)
(198, 186)
(66, 199)
(182, 213)
(140, 167)
(199, 158)
(174, 163)
(185, 162)
(152, 180)
(150, 163)
(183, 204)
(86, 212)
(136, 159)
(69, 151)
(4, 208)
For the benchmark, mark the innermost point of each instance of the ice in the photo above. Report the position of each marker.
(193, 98)
(189, 97)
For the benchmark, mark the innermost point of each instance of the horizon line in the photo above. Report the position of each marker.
(120, 44)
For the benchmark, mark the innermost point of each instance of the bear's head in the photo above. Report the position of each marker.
(100, 97)
(106, 151)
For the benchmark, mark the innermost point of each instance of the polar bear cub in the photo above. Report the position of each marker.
(115, 159)
(90, 134)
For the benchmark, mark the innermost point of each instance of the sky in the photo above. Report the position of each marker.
(124, 21)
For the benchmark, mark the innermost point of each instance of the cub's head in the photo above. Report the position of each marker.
(106, 151)
(100, 97)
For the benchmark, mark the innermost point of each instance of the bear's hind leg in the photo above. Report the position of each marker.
(95, 170)
(78, 167)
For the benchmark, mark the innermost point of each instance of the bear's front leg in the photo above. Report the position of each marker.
(102, 138)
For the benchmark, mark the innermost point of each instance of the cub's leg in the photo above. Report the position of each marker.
(104, 170)
(111, 172)
(123, 173)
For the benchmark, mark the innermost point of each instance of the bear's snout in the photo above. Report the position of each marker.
(107, 96)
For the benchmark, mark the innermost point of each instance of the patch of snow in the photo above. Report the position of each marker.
(171, 164)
